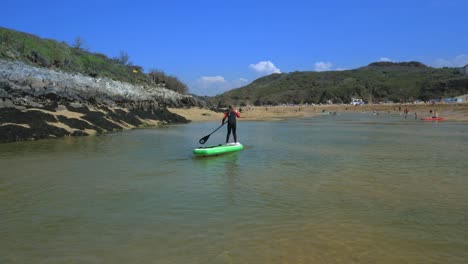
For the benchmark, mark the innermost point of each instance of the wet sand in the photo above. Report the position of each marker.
(450, 112)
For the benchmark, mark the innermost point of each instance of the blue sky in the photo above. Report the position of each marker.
(213, 46)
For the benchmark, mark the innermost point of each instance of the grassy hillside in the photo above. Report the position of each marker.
(52, 54)
(377, 82)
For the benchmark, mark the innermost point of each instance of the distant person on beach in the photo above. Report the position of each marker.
(415, 116)
(231, 115)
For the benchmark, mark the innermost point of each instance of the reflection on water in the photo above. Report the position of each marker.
(226, 166)
(354, 188)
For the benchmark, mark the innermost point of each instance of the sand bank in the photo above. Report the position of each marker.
(451, 112)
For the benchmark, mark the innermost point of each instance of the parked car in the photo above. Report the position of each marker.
(357, 101)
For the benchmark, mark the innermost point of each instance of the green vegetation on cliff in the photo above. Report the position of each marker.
(52, 54)
(377, 82)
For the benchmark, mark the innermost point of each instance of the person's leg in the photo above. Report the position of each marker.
(228, 132)
(234, 133)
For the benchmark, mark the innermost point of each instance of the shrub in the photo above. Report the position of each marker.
(170, 82)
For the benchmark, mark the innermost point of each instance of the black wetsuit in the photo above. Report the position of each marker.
(231, 126)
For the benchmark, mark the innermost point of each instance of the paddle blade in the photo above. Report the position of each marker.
(203, 139)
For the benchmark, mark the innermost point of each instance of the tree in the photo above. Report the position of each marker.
(79, 43)
(174, 84)
(123, 58)
(170, 82)
(157, 76)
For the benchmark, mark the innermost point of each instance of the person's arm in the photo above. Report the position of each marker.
(237, 113)
(224, 118)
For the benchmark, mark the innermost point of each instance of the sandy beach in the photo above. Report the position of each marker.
(450, 112)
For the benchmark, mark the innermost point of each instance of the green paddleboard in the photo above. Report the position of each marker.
(217, 150)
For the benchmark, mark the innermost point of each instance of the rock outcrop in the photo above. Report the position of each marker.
(38, 103)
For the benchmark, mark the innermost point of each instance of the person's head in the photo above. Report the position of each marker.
(231, 107)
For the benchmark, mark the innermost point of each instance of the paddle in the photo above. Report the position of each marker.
(205, 138)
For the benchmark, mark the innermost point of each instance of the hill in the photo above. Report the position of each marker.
(49, 89)
(376, 82)
(51, 54)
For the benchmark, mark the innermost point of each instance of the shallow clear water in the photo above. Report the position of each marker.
(353, 188)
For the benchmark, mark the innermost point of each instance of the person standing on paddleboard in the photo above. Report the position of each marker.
(231, 115)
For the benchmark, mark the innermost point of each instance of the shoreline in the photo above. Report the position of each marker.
(450, 112)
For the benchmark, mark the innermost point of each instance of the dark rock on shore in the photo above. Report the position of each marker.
(79, 133)
(18, 125)
(37, 103)
(77, 123)
(99, 119)
(10, 133)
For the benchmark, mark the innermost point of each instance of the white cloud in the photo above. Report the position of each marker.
(323, 66)
(385, 59)
(212, 79)
(264, 67)
(457, 61)
(213, 85)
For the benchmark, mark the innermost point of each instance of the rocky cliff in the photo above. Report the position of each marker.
(38, 103)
